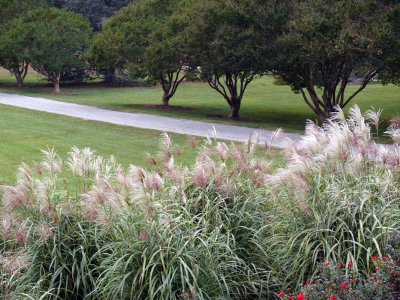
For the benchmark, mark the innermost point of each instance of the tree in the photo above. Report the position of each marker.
(59, 38)
(390, 73)
(14, 38)
(15, 44)
(140, 40)
(329, 43)
(167, 57)
(227, 41)
(97, 12)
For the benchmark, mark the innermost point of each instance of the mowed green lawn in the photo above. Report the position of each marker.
(265, 105)
(24, 133)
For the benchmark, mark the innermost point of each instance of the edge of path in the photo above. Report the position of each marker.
(147, 121)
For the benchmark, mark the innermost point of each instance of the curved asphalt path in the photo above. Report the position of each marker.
(189, 127)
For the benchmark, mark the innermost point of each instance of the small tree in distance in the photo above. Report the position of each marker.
(59, 38)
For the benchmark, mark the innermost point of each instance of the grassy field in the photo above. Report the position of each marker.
(265, 105)
(23, 133)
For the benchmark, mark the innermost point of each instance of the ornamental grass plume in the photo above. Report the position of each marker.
(13, 263)
(82, 162)
(51, 162)
(373, 117)
(14, 197)
(276, 135)
(25, 181)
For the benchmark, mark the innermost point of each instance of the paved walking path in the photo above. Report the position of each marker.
(196, 128)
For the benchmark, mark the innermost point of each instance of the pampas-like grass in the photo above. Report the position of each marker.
(230, 226)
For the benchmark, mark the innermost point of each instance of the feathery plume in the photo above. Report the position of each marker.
(199, 176)
(275, 136)
(51, 162)
(25, 179)
(45, 232)
(14, 263)
(373, 117)
(13, 197)
(222, 150)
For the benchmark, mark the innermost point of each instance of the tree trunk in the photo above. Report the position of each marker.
(165, 100)
(57, 83)
(20, 73)
(235, 107)
(321, 118)
(20, 80)
(110, 77)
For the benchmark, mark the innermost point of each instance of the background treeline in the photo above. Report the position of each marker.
(316, 47)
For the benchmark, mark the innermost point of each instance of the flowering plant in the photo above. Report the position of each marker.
(342, 281)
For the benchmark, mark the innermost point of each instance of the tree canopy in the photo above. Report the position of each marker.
(139, 40)
(14, 38)
(318, 47)
(227, 42)
(58, 38)
(328, 44)
(13, 9)
(15, 49)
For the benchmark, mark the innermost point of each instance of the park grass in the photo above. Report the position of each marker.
(24, 133)
(265, 105)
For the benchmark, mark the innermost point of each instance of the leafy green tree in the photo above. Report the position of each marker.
(391, 71)
(59, 39)
(15, 45)
(14, 38)
(227, 42)
(328, 44)
(139, 39)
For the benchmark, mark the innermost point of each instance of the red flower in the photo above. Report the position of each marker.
(352, 280)
(281, 294)
(377, 268)
(301, 297)
(333, 297)
(344, 286)
(374, 258)
(291, 297)
(350, 265)
(308, 283)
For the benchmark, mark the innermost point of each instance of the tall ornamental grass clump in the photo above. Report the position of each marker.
(229, 227)
(337, 199)
(90, 229)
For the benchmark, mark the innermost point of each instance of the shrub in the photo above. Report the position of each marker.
(342, 281)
